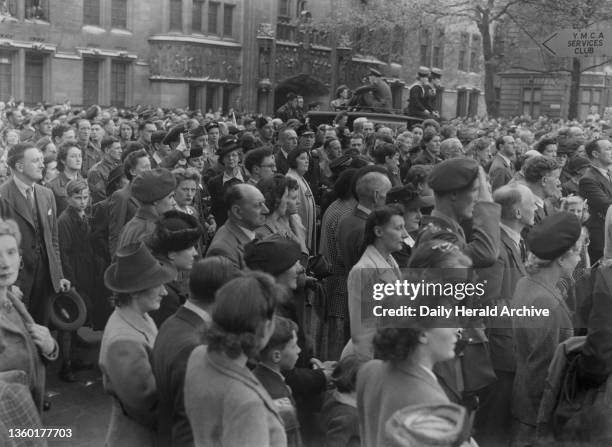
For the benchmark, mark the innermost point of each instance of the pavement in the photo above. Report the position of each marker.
(81, 406)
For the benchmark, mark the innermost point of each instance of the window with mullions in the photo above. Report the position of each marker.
(118, 83)
(532, 101)
(228, 20)
(213, 16)
(462, 102)
(463, 52)
(6, 75)
(590, 99)
(119, 14)
(425, 45)
(91, 12)
(37, 10)
(196, 16)
(34, 78)
(91, 80)
(176, 15)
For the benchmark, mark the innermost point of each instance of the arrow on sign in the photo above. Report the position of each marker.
(548, 40)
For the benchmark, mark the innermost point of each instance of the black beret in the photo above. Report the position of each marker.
(273, 254)
(211, 125)
(175, 231)
(452, 175)
(173, 134)
(409, 197)
(196, 152)
(554, 236)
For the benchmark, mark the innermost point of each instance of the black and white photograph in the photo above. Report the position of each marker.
(305, 223)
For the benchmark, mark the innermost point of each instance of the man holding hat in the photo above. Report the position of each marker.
(418, 106)
(154, 190)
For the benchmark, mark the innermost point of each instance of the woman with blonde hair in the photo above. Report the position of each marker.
(24, 345)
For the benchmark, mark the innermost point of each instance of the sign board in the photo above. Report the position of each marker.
(587, 42)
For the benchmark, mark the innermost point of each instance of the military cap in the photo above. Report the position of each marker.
(274, 254)
(409, 197)
(375, 72)
(436, 73)
(197, 132)
(41, 117)
(211, 125)
(423, 71)
(173, 134)
(304, 129)
(554, 235)
(227, 144)
(452, 175)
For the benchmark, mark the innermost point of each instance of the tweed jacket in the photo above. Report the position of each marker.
(500, 172)
(536, 340)
(597, 190)
(177, 338)
(140, 227)
(19, 353)
(227, 406)
(383, 388)
(17, 410)
(349, 238)
(229, 241)
(97, 178)
(125, 362)
(13, 205)
(121, 208)
(372, 268)
(501, 280)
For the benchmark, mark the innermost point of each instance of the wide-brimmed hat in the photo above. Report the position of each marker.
(136, 269)
(67, 310)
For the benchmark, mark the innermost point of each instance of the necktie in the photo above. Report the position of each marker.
(523, 250)
(30, 198)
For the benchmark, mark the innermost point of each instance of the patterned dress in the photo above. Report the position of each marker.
(335, 331)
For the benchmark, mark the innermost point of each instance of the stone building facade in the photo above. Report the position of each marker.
(240, 54)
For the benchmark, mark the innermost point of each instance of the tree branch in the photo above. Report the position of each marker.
(504, 10)
(535, 70)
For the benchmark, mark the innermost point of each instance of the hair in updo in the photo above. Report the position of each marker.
(242, 307)
(395, 344)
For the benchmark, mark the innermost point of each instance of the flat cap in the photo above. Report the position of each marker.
(409, 197)
(436, 73)
(273, 254)
(554, 235)
(575, 164)
(452, 175)
(375, 72)
(153, 185)
(424, 71)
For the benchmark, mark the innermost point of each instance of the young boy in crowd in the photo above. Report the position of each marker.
(280, 354)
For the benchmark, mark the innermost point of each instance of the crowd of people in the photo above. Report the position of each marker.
(225, 260)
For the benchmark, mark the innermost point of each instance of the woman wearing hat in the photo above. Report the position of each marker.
(307, 210)
(69, 161)
(24, 345)
(137, 279)
(225, 403)
(555, 245)
(384, 235)
(175, 242)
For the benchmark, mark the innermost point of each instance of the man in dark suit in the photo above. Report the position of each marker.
(596, 187)
(246, 212)
(121, 205)
(502, 169)
(287, 141)
(518, 206)
(33, 208)
(177, 337)
(371, 188)
(418, 106)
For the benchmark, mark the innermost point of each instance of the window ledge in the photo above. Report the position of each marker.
(93, 29)
(37, 21)
(122, 32)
